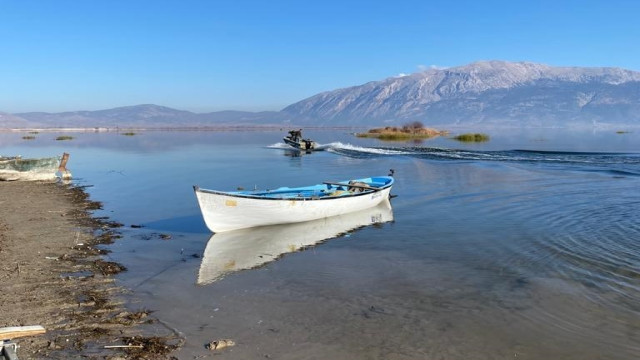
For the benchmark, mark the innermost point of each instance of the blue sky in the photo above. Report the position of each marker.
(214, 55)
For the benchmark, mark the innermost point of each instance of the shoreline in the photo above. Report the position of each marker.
(55, 274)
(605, 127)
(176, 128)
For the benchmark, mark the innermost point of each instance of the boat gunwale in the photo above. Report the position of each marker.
(301, 198)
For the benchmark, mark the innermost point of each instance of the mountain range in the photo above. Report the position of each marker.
(486, 93)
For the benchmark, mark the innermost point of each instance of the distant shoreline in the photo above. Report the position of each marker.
(185, 128)
(601, 127)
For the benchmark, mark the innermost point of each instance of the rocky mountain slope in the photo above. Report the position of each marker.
(488, 93)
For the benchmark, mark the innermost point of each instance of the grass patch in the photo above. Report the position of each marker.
(64, 137)
(128, 134)
(28, 137)
(622, 132)
(469, 137)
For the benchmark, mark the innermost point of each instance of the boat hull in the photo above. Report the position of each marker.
(301, 144)
(232, 251)
(225, 212)
(44, 169)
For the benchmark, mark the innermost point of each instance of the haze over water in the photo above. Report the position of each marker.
(522, 247)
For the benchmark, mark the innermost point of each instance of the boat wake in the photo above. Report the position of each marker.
(623, 164)
(280, 145)
(283, 146)
(343, 149)
(360, 151)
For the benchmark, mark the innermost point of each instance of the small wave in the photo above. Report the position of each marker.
(551, 152)
(323, 147)
(615, 172)
(279, 145)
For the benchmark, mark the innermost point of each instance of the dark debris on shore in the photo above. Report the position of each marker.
(96, 306)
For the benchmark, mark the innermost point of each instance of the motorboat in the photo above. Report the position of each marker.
(294, 139)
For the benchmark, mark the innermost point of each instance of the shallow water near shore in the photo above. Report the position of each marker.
(525, 246)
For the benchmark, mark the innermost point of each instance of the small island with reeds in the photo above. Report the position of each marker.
(472, 137)
(64, 138)
(411, 131)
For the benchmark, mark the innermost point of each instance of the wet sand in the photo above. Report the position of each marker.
(53, 274)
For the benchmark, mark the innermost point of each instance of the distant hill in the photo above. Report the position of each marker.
(12, 121)
(145, 116)
(487, 93)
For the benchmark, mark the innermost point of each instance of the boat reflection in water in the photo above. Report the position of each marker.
(232, 251)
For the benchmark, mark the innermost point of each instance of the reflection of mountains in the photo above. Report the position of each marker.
(232, 251)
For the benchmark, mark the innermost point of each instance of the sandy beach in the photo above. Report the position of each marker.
(53, 275)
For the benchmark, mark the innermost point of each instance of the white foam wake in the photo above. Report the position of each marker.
(279, 145)
(337, 146)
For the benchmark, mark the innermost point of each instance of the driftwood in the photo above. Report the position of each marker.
(63, 163)
(14, 332)
(123, 346)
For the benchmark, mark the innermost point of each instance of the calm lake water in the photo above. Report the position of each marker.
(526, 246)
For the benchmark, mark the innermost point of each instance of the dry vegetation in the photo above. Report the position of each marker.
(64, 137)
(469, 137)
(414, 130)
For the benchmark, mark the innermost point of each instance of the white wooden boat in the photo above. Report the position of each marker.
(225, 211)
(17, 168)
(242, 249)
